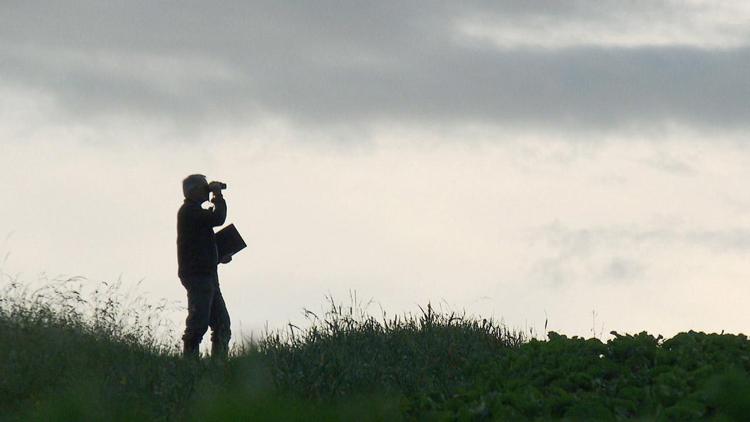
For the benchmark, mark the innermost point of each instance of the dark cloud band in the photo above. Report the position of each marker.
(354, 64)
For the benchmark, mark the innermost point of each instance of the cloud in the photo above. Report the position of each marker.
(612, 23)
(621, 253)
(582, 241)
(621, 269)
(386, 62)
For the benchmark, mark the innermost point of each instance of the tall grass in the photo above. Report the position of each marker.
(347, 351)
(85, 357)
(98, 353)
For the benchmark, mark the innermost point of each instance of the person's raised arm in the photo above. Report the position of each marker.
(212, 217)
(220, 208)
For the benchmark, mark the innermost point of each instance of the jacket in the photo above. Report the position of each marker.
(196, 243)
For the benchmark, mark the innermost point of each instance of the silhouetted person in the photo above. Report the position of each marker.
(197, 259)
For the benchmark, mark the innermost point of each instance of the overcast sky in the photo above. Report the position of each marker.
(522, 160)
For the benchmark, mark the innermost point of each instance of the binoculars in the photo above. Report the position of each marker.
(216, 186)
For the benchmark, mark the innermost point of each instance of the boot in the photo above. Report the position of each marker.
(190, 350)
(219, 350)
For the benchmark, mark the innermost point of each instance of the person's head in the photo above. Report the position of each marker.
(195, 187)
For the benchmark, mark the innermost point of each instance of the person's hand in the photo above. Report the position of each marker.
(216, 187)
(225, 260)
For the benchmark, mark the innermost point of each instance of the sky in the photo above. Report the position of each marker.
(580, 162)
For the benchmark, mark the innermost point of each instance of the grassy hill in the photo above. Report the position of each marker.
(61, 362)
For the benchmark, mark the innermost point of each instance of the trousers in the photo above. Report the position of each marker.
(206, 308)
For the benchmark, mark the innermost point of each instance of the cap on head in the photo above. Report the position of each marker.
(191, 182)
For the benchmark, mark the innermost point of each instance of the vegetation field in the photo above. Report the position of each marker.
(67, 358)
